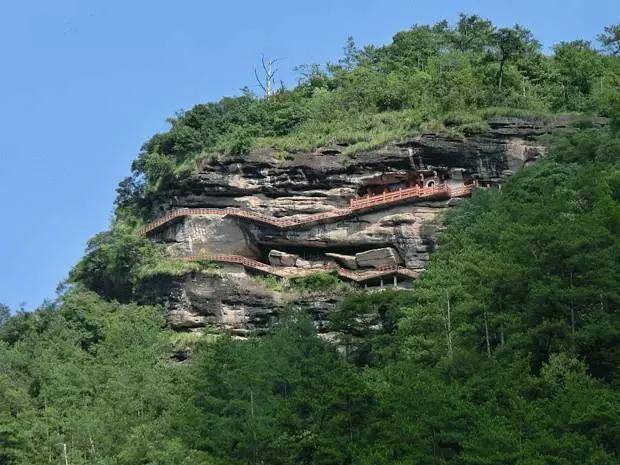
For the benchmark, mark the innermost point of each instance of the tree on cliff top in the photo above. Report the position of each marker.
(610, 39)
(512, 44)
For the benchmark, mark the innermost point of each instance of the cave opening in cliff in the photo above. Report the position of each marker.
(394, 181)
(397, 180)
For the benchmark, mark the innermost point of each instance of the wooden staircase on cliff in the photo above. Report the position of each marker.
(355, 205)
(440, 191)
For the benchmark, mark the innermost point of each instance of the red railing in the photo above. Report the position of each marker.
(239, 213)
(439, 191)
(409, 192)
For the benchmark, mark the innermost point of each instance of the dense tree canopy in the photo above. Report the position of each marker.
(523, 368)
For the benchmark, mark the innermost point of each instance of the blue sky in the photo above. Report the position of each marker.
(85, 83)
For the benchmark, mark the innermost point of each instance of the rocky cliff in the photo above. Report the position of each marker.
(233, 297)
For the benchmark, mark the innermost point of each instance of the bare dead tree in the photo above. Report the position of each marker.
(267, 82)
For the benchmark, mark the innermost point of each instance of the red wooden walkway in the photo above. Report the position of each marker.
(355, 205)
(292, 272)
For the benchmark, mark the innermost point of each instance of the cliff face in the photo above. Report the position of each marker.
(401, 233)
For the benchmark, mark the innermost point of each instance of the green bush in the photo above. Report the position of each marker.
(316, 282)
(461, 118)
(158, 168)
(274, 283)
(237, 142)
(112, 260)
(471, 129)
(118, 261)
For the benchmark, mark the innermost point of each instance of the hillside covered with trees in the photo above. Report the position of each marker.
(506, 352)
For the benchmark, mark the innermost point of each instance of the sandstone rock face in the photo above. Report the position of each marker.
(237, 303)
(207, 234)
(305, 183)
(410, 229)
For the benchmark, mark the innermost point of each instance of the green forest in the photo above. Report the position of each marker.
(507, 351)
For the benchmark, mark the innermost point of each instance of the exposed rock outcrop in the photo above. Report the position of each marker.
(347, 261)
(236, 302)
(307, 183)
(378, 258)
(304, 183)
(278, 258)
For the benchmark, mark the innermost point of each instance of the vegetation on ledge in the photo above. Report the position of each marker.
(316, 283)
(429, 77)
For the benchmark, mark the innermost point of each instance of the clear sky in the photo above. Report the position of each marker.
(84, 83)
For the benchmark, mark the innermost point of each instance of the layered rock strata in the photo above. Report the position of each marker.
(300, 184)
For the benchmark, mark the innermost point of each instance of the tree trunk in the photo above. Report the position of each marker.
(252, 403)
(253, 423)
(572, 312)
(486, 333)
(501, 73)
(64, 453)
(449, 325)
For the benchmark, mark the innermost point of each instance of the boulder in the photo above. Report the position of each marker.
(301, 263)
(378, 258)
(278, 258)
(347, 261)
